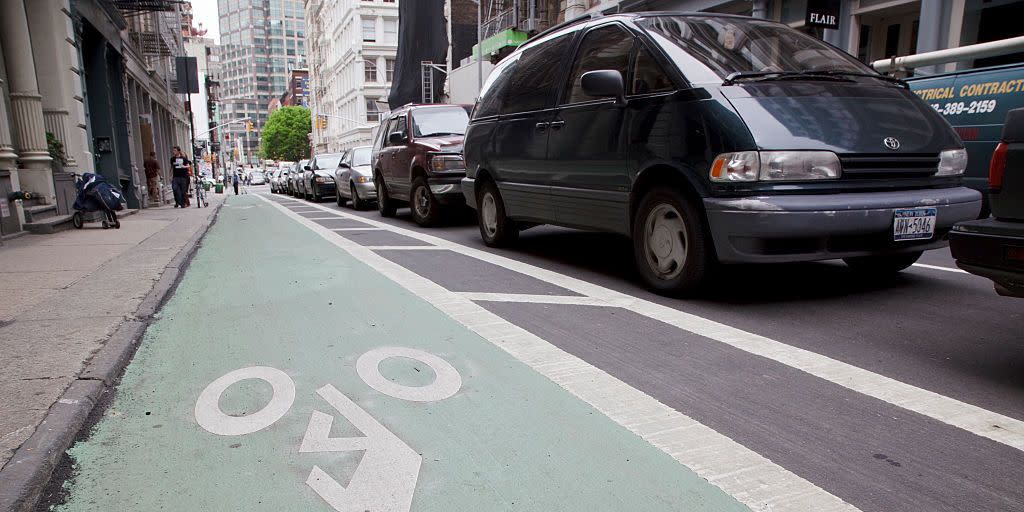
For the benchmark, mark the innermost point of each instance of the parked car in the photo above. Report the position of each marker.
(278, 179)
(257, 178)
(417, 158)
(318, 176)
(295, 179)
(994, 247)
(712, 138)
(354, 178)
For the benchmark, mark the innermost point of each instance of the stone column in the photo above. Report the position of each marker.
(575, 9)
(7, 156)
(50, 26)
(26, 102)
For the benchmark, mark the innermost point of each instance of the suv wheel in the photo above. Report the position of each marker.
(385, 205)
(496, 228)
(425, 208)
(883, 263)
(670, 245)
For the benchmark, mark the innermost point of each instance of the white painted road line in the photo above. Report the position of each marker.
(357, 229)
(974, 419)
(534, 299)
(405, 248)
(742, 473)
(936, 267)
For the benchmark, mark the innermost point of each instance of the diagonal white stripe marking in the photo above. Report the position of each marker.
(405, 248)
(534, 299)
(742, 473)
(357, 229)
(936, 267)
(974, 419)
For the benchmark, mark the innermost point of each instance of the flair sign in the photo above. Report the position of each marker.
(823, 13)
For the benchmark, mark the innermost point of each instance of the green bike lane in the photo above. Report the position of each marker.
(285, 374)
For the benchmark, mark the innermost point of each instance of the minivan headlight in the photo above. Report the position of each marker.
(776, 166)
(952, 162)
(799, 165)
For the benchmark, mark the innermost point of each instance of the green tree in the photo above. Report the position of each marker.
(286, 135)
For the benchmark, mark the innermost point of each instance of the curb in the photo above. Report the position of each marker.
(27, 474)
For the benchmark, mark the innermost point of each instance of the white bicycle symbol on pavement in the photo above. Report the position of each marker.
(385, 479)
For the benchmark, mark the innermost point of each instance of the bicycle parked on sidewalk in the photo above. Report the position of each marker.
(201, 201)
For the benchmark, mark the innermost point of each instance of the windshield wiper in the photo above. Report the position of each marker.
(824, 74)
(837, 72)
(439, 134)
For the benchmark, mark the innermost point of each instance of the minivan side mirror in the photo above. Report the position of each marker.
(604, 83)
(396, 138)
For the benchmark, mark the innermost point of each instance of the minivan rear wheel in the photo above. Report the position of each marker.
(670, 244)
(496, 229)
(883, 263)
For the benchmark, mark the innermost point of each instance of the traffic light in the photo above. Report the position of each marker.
(248, 126)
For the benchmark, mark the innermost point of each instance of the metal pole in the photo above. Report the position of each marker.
(479, 47)
(974, 51)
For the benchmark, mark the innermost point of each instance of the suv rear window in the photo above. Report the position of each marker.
(728, 45)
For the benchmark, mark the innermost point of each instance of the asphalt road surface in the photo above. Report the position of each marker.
(544, 377)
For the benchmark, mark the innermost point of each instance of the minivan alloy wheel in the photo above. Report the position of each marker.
(665, 240)
(489, 214)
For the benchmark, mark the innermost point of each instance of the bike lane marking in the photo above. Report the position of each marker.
(971, 418)
(276, 382)
(740, 472)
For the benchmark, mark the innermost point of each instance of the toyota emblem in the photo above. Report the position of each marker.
(892, 143)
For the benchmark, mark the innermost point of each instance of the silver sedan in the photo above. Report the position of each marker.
(354, 178)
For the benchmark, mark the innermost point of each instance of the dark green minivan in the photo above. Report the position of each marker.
(712, 139)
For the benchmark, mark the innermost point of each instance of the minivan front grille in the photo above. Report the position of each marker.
(881, 166)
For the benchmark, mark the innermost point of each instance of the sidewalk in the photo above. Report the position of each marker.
(62, 296)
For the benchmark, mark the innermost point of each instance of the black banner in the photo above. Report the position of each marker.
(823, 13)
(187, 74)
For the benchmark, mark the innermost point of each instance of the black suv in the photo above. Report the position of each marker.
(994, 247)
(417, 158)
(712, 138)
(318, 176)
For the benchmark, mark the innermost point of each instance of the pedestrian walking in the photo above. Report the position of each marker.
(152, 167)
(235, 178)
(181, 167)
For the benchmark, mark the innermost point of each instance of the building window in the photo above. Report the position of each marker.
(389, 70)
(369, 29)
(391, 31)
(370, 70)
(372, 112)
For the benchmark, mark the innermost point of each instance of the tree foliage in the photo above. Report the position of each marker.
(286, 135)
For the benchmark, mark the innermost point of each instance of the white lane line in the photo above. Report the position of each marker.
(319, 218)
(405, 248)
(974, 419)
(936, 267)
(357, 229)
(534, 299)
(740, 472)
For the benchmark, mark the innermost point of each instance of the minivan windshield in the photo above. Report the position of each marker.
(439, 121)
(731, 46)
(361, 156)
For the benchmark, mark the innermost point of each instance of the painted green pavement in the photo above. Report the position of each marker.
(473, 430)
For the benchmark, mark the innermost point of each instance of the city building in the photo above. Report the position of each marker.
(95, 77)
(297, 94)
(351, 48)
(204, 112)
(261, 42)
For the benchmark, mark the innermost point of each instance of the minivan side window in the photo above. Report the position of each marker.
(494, 88)
(648, 76)
(605, 47)
(533, 86)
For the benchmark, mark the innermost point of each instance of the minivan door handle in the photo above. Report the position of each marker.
(541, 126)
(556, 125)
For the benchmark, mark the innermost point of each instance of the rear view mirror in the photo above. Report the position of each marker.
(308, 168)
(604, 83)
(396, 138)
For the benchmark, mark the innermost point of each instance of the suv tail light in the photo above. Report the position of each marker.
(997, 167)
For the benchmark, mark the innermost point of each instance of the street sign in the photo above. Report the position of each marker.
(823, 13)
(187, 74)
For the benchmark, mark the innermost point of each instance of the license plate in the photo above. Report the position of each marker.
(914, 224)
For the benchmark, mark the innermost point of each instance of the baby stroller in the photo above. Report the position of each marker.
(97, 201)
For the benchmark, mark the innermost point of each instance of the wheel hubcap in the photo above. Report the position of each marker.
(422, 202)
(665, 241)
(489, 212)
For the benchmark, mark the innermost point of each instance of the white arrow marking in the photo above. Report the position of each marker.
(385, 479)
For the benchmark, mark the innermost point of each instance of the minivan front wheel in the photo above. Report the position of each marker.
(496, 228)
(670, 244)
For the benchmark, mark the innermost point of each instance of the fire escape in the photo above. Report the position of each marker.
(508, 23)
